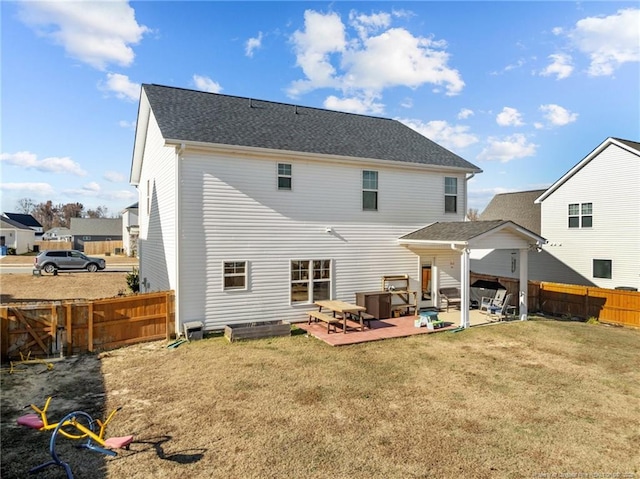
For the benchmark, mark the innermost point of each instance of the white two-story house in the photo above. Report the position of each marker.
(591, 215)
(252, 210)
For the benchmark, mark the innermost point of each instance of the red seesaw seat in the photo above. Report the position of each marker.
(31, 420)
(118, 442)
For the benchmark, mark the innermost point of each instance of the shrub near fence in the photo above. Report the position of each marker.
(53, 328)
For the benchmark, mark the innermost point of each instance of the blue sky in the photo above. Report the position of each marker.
(524, 90)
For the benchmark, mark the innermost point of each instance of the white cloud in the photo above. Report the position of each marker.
(253, 44)
(560, 66)
(509, 117)
(96, 33)
(120, 84)
(450, 136)
(114, 176)
(374, 58)
(507, 149)
(610, 41)
(92, 187)
(29, 161)
(465, 113)
(206, 84)
(557, 115)
(367, 24)
(362, 105)
(323, 36)
(130, 125)
(41, 189)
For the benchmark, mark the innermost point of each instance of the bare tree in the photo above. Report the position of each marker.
(46, 214)
(472, 214)
(70, 210)
(25, 206)
(99, 212)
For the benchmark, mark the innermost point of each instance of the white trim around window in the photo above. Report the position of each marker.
(235, 275)
(310, 280)
(285, 176)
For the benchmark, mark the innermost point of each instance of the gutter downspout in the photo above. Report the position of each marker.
(178, 226)
(466, 194)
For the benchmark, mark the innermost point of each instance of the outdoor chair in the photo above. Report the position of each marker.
(496, 302)
(500, 312)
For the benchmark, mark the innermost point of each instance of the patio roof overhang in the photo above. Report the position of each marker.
(463, 236)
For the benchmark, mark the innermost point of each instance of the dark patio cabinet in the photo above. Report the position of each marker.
(378, 303)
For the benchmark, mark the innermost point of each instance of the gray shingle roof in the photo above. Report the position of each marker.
(453, 230)
(632, 144)
(96, 227)
(9, 223)
(188, 115)
(518, 207)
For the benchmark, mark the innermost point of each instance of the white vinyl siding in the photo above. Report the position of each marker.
(158, 227)
(610, 182)
(229, 211)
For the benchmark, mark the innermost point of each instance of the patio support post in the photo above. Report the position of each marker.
(524, 284)
(464, 288)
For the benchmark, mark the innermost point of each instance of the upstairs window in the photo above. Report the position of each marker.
(235, 275)
(370, 190)
(284, 176)
(580, 215)
(451, 195)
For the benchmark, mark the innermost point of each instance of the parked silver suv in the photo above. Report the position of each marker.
(51, 261)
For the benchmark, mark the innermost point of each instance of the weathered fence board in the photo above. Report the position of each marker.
(50, 328)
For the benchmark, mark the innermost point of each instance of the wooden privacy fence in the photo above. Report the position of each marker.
(607, 305)
(103, 247)
(71, 327)
(53, 245)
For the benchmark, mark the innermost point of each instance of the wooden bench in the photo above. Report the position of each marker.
(451, 296)
(330, 320)
(366, 318)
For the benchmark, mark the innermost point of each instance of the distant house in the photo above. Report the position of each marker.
(95, 229)
(15, 235)
(591, 215)
(27, 220)
(253, 210)
(130, 230)
(542, 266)
(57, 234)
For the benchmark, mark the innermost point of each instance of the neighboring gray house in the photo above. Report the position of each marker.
(130, 230)
(253, 210)
(94, 229)
(15, 235)
(591, 215)
(520, 207)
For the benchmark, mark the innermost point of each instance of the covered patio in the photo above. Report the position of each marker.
(446, 244)
(392, 328)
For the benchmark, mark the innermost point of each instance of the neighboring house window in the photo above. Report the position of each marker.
(284, 176)
(580, 215)
(602, 268)
(86, 238)
(370, 190)
(235, 275)
(310, 280)
(451, 195)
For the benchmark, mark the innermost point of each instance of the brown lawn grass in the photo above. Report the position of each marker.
(512, 400)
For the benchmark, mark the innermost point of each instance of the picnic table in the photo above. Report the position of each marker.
(344, 309)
